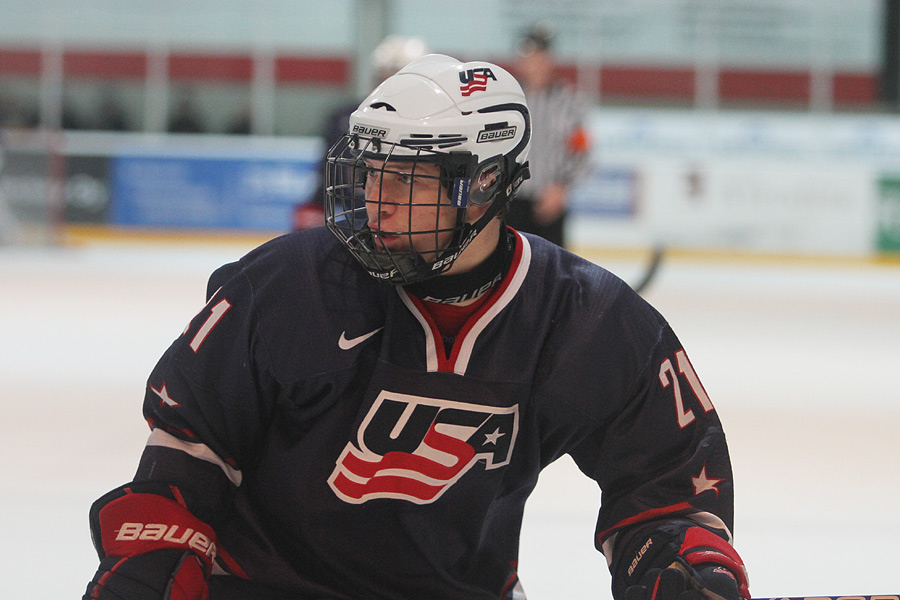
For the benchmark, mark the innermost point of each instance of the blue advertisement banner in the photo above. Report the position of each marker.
(607, 191)
(210, 192)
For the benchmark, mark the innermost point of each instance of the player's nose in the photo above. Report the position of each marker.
(377, 201)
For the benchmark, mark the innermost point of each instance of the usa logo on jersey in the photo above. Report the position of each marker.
(414, 448)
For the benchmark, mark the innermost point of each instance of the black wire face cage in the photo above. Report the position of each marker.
(403, 221)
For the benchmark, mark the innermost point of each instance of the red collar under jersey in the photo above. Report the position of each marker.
(466, 322)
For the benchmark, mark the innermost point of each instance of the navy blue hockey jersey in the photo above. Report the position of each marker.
(314, 418)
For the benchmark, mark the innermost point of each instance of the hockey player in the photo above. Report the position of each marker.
(360, 411)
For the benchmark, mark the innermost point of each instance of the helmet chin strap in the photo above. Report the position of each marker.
(396, 269)
(472, 284)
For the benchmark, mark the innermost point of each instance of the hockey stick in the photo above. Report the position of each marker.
(652, 266)
(888, 597)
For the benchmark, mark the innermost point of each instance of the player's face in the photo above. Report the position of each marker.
(407, 208)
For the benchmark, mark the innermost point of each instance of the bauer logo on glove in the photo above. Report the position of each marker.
(154, 532)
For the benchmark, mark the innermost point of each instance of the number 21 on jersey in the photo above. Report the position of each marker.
(217, 311)
(667, 377)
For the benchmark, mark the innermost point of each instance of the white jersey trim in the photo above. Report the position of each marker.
(431, 357)
(158, 437)
(468, 343)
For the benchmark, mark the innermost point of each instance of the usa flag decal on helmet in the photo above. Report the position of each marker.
(414, 448)
(475, 80)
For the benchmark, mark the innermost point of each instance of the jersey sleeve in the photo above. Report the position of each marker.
(661, 453)
(208, 398)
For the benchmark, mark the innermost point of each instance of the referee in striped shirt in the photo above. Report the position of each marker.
(559, 143)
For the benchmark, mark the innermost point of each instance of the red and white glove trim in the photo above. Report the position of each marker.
(701, 546)
(136, 523)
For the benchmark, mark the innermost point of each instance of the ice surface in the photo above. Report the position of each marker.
(801, 360)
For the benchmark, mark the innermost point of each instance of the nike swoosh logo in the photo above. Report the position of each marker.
(346, 344)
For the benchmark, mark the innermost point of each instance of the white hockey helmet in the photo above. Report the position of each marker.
(469, 118)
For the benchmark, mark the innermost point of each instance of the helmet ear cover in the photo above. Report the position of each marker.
(474, 184)
(468, 183)
(488, 178)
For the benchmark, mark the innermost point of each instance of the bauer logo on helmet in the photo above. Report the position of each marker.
(496, 135)
(369, 130)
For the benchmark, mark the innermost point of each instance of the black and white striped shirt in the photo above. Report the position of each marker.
(558, 142)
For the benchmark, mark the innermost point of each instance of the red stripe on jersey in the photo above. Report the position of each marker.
(404, 461)
(648, 515)
(387, 485)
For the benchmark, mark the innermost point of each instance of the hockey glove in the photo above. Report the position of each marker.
(681, 562)
(150, 546)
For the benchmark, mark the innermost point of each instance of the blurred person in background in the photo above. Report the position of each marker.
(391, 55)
(241, 123)
(111, 112)
(71, 117)
(186, 117)
(560, 144)
(9, 224)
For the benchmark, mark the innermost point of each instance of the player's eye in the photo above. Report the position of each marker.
(365, 174)
(405, 178)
